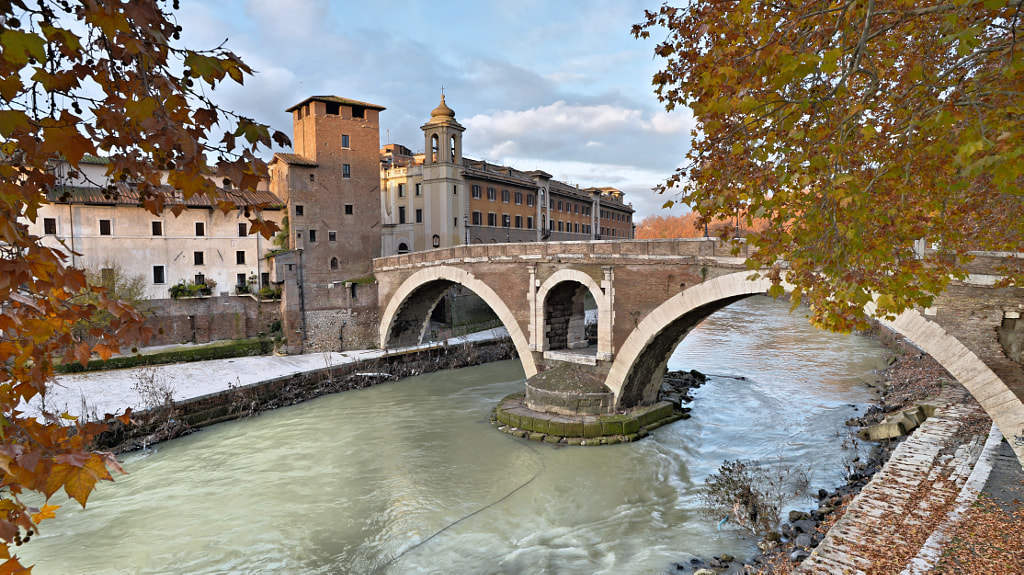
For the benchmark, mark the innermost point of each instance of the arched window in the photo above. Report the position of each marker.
(454, 155)
(403, 248)
(433, 148)
(334, 263)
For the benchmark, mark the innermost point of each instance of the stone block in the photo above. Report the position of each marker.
(540, 425)
(552, 439)
(611, 427)
(631, 425)
(513, 420)
(527, 422)
(573, 429)
(557, 428)
(537, 436)
(591, 429)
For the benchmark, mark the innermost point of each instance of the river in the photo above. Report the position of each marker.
(410, 477)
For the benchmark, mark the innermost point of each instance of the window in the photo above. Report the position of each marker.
(346, 171)
(312, 238)
(105, 228)
(477, 218)
(312, 177)
(197, 258)
(401, 190)
(519, 221)
(492, 219)
(334, 263)
(419, 216)
(529, 200)
(200, 229)
(455, 190)
(559, 205)
(332, 236)
(199, 280)
(506, 221)
(239, 279)
(492, 194)
(158, 274)
(348, 209)
(298, 235)
(358, 112)
(158, 228)
(551, 202)
(401, 214)
(575, 208)
(240, 257)
(476, 192)
(529, 222)
(352, 290)
(403, 248)
(419, 189)
(242, 232)
(519, 198)
(576, 228)
(504, 196)
(344, 140)
(299, 210)
(264, 279)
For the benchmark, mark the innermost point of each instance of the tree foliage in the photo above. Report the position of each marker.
(100, 77)
(689, 226)
(857, 127)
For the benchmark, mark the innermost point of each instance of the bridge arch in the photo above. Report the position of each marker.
(562, 280)
(408, 312)
(636, 374)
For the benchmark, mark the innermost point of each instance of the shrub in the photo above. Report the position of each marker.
(752, 494)
(236, 348)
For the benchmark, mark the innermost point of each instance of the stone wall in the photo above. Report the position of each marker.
(206, 319)
(983, 319)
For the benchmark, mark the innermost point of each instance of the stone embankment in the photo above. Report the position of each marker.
(177, 418)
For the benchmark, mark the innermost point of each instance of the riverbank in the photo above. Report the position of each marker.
(173, 400)
(895, 509)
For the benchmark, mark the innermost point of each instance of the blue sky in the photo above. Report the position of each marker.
(559, 86)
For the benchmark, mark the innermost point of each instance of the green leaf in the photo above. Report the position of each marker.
(19, 46)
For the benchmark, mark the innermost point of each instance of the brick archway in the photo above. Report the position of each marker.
(409, 309)
(635, 375)
(600, 295)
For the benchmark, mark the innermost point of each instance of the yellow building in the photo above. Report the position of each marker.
(440, 198)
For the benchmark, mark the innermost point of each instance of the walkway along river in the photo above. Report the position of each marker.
(410, 476)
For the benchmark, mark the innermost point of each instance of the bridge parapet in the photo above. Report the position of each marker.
(605, 252)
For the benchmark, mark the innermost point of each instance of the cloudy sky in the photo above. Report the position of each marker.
(557, 86)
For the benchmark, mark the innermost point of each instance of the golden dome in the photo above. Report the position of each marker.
(442, 110)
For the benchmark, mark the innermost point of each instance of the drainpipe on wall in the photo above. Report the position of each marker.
(302, 297)
(71, 216)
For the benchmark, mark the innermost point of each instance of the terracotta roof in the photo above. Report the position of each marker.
(336, 100)
(295, 160)
(127, 195)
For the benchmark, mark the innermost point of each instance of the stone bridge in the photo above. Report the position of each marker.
(651, 293)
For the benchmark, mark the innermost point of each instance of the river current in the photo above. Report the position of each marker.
(409, 477)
